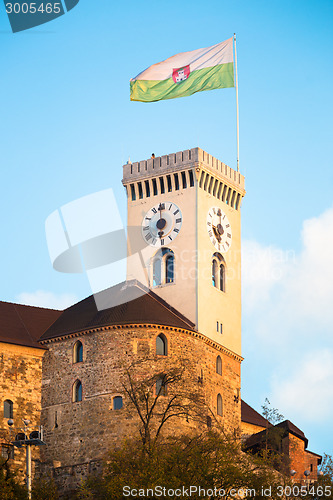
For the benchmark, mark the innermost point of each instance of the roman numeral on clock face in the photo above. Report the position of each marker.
(148, 236)
(178, 221)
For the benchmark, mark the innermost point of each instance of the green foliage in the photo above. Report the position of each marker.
(208, 460)
(271, 414)
(10, 488)
(44, 489)
(326, 479)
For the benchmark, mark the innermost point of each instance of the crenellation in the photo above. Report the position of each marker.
(182, 160)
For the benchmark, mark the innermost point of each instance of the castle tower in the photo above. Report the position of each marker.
(185, 238)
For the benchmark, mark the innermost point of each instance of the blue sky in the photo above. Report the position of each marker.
(68, 126)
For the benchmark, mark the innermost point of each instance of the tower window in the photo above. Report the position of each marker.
(184, 180)
(133, 192)
(78, 352)
(161, 345)
(176, 179)
(218, 271)
(222, 278)
(147, 189)
(169, 183)
(162, 185)
(163, 267)
(169, 268)
(8, 407)
(191, 177)
(117, 403)
(154, 187)
(77, 391)
(219, 405)
(219, 365)
(140, 190)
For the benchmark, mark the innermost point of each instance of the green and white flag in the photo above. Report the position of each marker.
(186, 73)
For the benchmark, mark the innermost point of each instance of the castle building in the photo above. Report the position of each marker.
(180, 307)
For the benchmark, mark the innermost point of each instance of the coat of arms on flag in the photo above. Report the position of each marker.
(181, 74)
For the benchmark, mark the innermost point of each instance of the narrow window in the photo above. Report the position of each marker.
(133, 192)
(163, 267)
(169, 268)
(157, 275)
(209, 421)
(184, 180)
(191, 178)
(202, 176)
(219, 405)
(154, 187)
(218, 271)
(140, 190)
(214, 273)
(219, 365)
(78, 352)
(8, 409)
(117, 403)
(169, 183)
(176, 178)
(161, 388)
(161, 345)
(162, 185)
(221, 328)
(206, 182)
(217, 326)
(222, 278)
(147, 189)
(77, 392)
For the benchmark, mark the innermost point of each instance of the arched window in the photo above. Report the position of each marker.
(219, 365)
(219, 405)
(214, 273)
(117, 403)
(169, 268)
(157, 275)
(161, 387)
(218, 271)
(163, 266)
(8, 409)
(78, 352)
(222, 277)
(77, 391)
(161, 345)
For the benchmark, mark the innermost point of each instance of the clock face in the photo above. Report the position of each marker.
(219, 229)
(161, 224)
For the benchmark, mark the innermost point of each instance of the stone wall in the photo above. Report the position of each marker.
(302, 460)
(83, 432)
(20, 382)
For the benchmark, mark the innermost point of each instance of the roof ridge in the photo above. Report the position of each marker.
(29, 305)
(20, 318)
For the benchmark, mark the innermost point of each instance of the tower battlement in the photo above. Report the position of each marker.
(182, 160)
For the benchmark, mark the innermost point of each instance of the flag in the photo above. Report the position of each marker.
(186, 73)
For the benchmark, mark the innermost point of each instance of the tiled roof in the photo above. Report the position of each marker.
(23, 325)
(138, 305)
(251, 416)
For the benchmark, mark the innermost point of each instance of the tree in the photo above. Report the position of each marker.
(162, 397)
(209, 460)
(10, 487)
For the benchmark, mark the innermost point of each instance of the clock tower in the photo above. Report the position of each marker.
(184, 238)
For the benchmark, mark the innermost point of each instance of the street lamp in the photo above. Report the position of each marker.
(21, 439)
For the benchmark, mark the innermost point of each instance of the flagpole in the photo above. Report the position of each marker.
(237, 111)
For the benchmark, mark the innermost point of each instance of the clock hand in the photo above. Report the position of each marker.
(161, 223)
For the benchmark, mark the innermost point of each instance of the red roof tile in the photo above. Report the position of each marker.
(23, 325)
